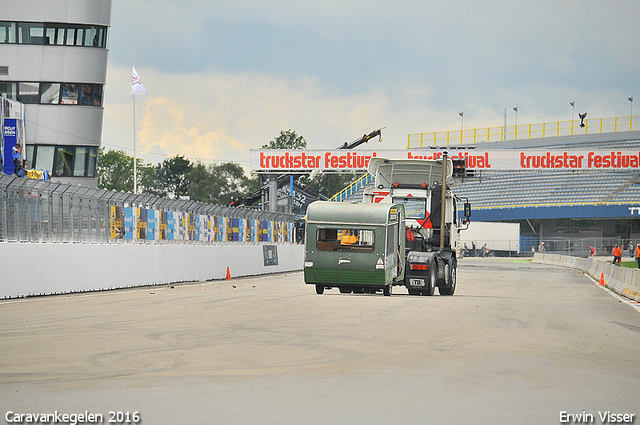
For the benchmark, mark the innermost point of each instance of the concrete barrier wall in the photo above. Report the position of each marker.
(50, 268)
(622, 280)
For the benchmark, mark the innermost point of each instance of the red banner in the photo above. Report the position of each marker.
(504, 159)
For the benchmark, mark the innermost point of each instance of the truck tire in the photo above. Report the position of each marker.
(387, 290)
(345, 290)
(319, 289)
(450, 288)
(431, 289)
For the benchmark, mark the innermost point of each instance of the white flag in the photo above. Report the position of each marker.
(136, 85)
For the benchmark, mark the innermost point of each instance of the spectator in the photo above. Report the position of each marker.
(631, 250)
(465, 251)
(485, 250)
(541, 247)
(16, 154)
(592, 251)
(533, 250)
(617, 255)
(638, 255)
(473, 249)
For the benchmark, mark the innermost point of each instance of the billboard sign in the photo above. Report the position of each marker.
(296, 160)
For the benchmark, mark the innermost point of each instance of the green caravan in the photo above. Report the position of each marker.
(357, 248)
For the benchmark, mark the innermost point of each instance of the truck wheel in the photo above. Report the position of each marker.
(451, 286)
(345, 290)
(319, 289)
(431, 290)
(387, 290)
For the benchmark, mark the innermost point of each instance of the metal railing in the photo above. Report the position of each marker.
(523, 131)
(352, 188)
(44, 211)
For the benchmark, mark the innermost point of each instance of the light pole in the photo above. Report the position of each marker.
(573, 108)
(631, 113)
(461, 113)
(515, 130)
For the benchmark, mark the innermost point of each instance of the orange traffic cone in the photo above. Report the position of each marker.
(601, 283)
(228, 273)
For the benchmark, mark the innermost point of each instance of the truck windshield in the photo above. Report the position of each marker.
(345, 240)
(413, 207)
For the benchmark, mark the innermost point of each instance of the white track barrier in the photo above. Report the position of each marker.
(54, 268)
(621, 280)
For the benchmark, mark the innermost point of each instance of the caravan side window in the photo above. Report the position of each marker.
(334, 239)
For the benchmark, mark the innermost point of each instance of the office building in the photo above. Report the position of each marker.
(53, 58)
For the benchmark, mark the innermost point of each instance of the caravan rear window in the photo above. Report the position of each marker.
(335, 239)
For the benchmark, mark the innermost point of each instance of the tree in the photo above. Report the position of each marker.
(115, 170)
(172, 177)
(218, 184)
(286, 140)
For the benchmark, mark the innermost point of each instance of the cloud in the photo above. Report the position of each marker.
(218, 117)
(226, 77)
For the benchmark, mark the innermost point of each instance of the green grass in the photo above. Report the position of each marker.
(630, 264)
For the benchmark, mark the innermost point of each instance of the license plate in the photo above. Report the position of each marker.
(416, 282)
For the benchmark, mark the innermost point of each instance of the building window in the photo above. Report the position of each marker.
(50, 93)
(69, 94)
(64, 161)
(43, 157)
(75, 35)
(53, 93)
(101, 37)
(7, 32)
(28, 93)
(91, 94)
(30, 32)
(92, 161)
(9, 90)
(55, 34)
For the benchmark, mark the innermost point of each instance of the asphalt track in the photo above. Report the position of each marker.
(518, 343)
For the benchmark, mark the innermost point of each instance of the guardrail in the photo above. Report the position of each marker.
(621, 280)
(44, 211)
(524, 131)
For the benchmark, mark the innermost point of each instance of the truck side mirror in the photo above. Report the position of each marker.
(467, 209)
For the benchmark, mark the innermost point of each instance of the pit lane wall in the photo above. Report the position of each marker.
(55, 268)
(621, 280)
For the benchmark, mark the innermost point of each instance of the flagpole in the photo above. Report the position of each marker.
(136, 88)
(135, 174)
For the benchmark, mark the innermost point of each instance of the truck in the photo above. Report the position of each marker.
(427, 251)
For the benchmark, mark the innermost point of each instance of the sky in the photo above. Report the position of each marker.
(227, 77)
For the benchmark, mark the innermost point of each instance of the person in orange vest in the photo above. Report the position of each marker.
(617, 255)
(638, 255)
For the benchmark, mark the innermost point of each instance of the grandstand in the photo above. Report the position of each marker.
(491, 192)
(603, 196)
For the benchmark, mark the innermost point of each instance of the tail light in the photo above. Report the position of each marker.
(419, 267)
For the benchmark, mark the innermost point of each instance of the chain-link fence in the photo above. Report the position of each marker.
(44, 211)
(527, 245)
(581, 247)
